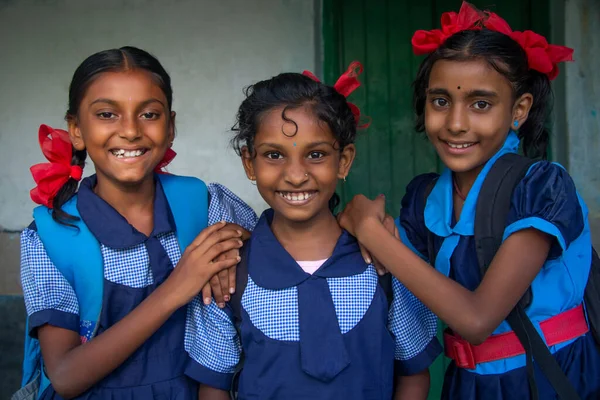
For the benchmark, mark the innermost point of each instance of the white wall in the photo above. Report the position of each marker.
(211, 48)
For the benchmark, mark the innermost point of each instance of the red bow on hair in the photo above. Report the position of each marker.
(541, 56)
(52, 176)
(346, 84)
(166, 160)
(425, 42)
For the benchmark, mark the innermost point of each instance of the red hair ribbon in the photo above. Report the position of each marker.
(541, 56)
(166, 160)
(346, 84)
(50, 177)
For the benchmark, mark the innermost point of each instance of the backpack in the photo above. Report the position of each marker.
(76, 253)
(493, 205)
(235, 303)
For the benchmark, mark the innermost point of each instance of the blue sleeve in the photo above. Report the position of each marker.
(226, 206)
(213, 344)
(49, 298)
(546, 199)
(414, 329)
(411, 222)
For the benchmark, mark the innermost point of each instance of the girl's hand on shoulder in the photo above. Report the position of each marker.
(196, 266)
(222, 285)
(359, 211)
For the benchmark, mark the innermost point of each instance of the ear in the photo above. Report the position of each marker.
(521, 110)
(172, 127)
(346, 159)
(247, 162)
(75, 134)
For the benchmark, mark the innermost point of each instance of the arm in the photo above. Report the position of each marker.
(210, 393)
(73, 367)
(413, 387)
(473, 315)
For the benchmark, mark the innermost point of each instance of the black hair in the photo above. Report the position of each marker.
(113, 60)
(507, 57)
(291, 91)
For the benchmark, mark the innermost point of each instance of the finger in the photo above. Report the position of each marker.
(232, 277)
(215, 286)
(396, 232)
(365, 253)
(216, 237)
(223, 276)
(206, 232)
(381, 270)
(224, 264)
(206, 294)
(389, 224)
(221, 247)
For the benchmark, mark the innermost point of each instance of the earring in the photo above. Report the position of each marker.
(253, 180)
(344, 179)
(306, 174)
(516, 124)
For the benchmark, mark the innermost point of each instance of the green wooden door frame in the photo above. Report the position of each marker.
(348, 26)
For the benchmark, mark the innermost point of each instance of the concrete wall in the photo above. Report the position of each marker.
(212, 49)
(582, 32)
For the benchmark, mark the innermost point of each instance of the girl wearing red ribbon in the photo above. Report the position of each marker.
(481, 92)
(312, 318)
(120, 116)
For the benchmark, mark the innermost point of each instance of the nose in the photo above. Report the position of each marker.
(457, 120)
(296, 173)
(130, 128)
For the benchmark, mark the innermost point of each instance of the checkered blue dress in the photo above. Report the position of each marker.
(134, 265)
(329, 335)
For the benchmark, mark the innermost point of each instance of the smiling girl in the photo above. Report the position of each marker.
(314, 322)
(101, 289)
(482, 91)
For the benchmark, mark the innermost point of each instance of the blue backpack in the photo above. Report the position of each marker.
(76, 253)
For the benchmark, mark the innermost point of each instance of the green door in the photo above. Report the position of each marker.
(377, 33)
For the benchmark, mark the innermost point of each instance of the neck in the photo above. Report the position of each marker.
(309, 240)
(127, 199)
(464, 180)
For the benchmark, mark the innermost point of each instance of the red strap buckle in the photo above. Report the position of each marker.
(461, 351)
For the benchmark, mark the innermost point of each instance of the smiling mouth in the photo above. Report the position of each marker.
(460, 145)
(122, 153)
(299, 197)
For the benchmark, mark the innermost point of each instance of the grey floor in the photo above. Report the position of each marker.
(12, 325)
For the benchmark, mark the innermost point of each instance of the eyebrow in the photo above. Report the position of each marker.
(280, 147)
(469, 94)
(115, 104)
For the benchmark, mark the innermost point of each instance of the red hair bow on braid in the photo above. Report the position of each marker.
(169, 156)
(541, 56)
(52, 176)
(346, 84)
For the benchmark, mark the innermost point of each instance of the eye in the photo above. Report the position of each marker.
(274, 155)
(440, 102)
(482, 105)
(105, 115)
(150, 115)
(316, 154)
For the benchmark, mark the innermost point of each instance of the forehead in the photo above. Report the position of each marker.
(274, 128)
(129, 85)
(468, 75)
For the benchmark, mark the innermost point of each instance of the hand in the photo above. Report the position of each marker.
(196, 265)
(222, 286)
(359, 211)
(390, 225)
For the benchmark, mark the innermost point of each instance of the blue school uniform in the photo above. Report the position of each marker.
(329, 335)
(546, 199)
(134, 265)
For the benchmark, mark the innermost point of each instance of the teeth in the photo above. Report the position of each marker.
(128, 153)
(295, 196)
(460, 146)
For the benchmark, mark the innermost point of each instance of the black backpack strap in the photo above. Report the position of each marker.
(241, 281)
(385, 281)
(493, 205)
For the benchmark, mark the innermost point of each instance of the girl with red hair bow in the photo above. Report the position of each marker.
(482, 92)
